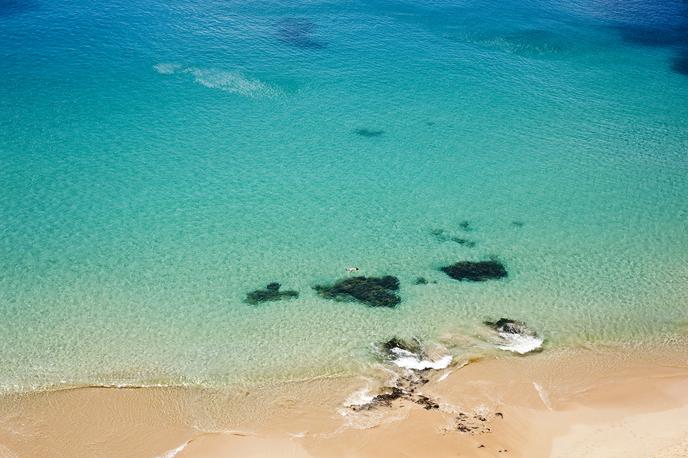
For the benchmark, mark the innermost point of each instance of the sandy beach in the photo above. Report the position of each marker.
(562, 404)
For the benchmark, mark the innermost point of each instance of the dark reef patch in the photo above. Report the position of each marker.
(476, 270)
(442, 235)
(369, 133)
(270, 293)
(466, 226)
(462, 241)
(439, 234)
(421, 281)
(372, 291)
(298, 32)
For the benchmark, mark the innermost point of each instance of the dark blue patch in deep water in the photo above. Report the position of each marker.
(680, 64)
(298, 32)
(654, 36)
(668, 28)
(12, 7)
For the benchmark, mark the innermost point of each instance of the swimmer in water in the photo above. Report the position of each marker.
(352, 269)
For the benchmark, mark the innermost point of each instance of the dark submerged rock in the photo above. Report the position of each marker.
(270, 293)
(421, 281)
(372, 291)
(517, 223)
(368, 133)
(462, 241)
(442, 236)
(476, 270)
(466, 226)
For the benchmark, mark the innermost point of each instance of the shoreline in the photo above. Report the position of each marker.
(565, 403)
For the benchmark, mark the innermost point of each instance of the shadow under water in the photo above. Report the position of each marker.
(667, 30)
(298, 32)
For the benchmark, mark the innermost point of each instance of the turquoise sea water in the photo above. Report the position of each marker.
(159, 160)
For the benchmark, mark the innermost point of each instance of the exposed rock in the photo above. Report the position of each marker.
(509, 326)
(395, 342)
(426, 402)
(515, 336)
(475, 425)
(270, 293)
(386, 398)
(372, 291)
(476, 270)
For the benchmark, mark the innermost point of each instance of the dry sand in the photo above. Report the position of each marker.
(559, 404)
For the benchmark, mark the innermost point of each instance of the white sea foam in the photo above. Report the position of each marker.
(544, 397)
(166, 68)
(358, 398)
(444, 376)
(409, 360)
(518, 343)
(228, 81)
(233, 82)
(172, 453)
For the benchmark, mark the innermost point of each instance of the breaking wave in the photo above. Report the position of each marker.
(520, 344)
(409, 360)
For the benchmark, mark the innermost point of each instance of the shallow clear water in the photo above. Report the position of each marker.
(161, 159)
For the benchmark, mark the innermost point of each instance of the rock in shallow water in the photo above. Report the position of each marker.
(515, 336)
(510, 326)
(476, 270)
(270, 293)
(395, 342)
(372, 291)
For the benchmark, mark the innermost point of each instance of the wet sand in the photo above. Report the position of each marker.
(561, 404)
